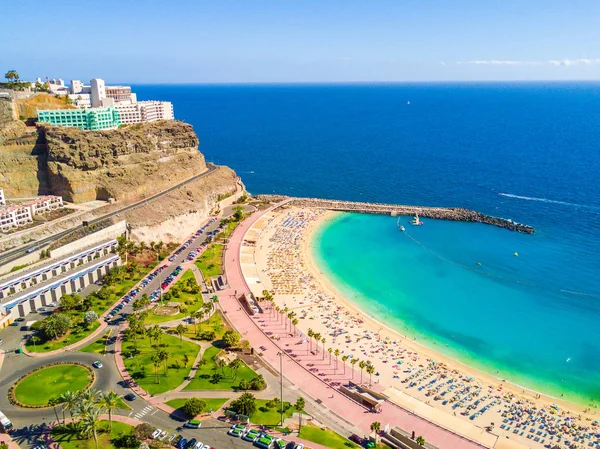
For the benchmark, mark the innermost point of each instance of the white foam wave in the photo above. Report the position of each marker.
(544, 200)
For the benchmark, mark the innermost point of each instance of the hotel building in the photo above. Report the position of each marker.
(92, 119)
(2, 198)
(20, 214)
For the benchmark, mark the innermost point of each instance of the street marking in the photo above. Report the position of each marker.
(154, 412)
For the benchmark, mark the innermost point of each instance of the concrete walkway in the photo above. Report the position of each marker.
(304, 379)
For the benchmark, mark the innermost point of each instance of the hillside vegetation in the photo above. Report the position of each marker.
(28, 107)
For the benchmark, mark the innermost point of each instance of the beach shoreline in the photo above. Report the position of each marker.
(411, 340)
(287, 266)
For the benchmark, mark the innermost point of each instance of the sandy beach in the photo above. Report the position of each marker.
(409, 373)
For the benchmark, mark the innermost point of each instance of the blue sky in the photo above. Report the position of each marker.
(223, 41)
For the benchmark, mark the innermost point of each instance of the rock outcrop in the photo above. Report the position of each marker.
(130, 163)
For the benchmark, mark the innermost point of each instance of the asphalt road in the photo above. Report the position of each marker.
(11, 255)
(29, 422)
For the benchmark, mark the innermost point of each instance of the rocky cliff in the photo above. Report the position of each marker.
(130, 163)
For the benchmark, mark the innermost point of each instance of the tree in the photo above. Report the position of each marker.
(69, 400)
(245, 404)
(318, 339)
(90, 317)
(323, 341)
(156, 361)
(362, 365)
(310, 334)
(370, 371)
(244, 344)
(180, 330)
(89, 424)
(330, 350)
(186, 360)
(344, 358)
(231, 338)
(143, 431)
(353, 362)
(295, 323)
(55, 326)
(300, 404)
(376, 427)
(420, 441)
(238, 214)
(258, 383)
(53, 402)
(70, 302)
(141, 303)
(110, 401)
(12, 76)
(336, 353)
(193, 407)
(235, 365)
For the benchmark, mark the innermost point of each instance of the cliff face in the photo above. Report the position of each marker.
(125, 164)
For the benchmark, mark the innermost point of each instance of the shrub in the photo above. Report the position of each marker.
(193, 407)
(126, 441)
(207, 335)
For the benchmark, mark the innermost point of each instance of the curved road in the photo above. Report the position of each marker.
(9, 256)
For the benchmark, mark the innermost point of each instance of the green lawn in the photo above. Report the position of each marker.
(142, 368)
(202, 379)
(210, 261)
(215, 323)
(194, 302)
(98, 346)
(78, 330)
(229, 229)
(270, 416)
(122, 405)
(325, 437)
(38, 388)
(213, 404)
(69, 440)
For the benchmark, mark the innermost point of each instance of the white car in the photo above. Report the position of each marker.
(97, 364)
(155, 434)
(163, 435)
(198, 445)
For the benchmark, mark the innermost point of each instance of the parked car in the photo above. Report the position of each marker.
(193, 424)
(130, 397)
(156, 434)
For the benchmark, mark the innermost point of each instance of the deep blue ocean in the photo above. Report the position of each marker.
(525, 151)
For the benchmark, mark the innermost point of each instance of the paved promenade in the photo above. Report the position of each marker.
(305, 380)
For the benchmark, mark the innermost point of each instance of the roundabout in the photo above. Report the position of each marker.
(38, 387)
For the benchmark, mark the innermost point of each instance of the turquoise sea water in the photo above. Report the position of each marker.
(484, 315)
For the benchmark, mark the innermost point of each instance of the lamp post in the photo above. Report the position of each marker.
(280, 354)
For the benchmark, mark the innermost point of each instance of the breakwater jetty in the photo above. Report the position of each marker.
(440, 213)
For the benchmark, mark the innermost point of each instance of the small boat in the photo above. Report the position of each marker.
(415, 221)
(402, 228)
(408, 102)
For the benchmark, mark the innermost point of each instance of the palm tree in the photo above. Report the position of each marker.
(300, 404)
(317, 336)
(295, 323)
(361, 365)
(323, 341)
(370, 371)
(337, 354)
(310, 334)
(89, 424)
(180, 330)
(156, 361)
(420, 441)
(164, 357)
(110, 401)
(376, 427)
(353, 362)
(330, 350)
(290, 316)
(344, 358)
(235, 365)
(53, 402)
(90, 395)
(69, 401)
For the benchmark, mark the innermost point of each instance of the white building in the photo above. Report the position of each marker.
(98, 94)
(2, 198)
(44, 204)
(14, 216)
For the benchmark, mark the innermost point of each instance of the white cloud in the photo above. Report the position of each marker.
(554, 62)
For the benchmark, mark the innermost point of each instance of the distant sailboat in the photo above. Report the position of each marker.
(408, 102)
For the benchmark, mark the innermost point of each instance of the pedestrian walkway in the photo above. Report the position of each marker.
(304, 379)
